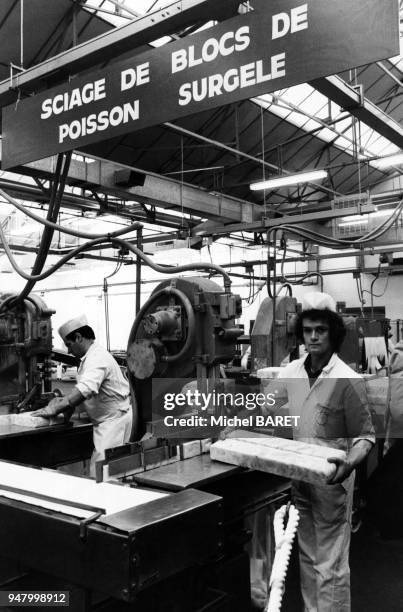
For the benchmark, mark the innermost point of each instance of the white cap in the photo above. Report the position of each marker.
(72, 325)
(318, 301)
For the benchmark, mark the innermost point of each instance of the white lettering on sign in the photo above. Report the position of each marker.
(97, 123)
(228, 43)
(90, 92)
(235, 78)
(135, 76)
(229, 59)
(284, 23)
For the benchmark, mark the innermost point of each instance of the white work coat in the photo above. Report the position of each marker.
(107, 400)
(334, 411)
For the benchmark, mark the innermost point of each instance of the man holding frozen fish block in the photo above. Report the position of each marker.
(334, 434)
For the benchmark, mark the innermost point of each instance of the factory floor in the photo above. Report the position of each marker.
(376, 575)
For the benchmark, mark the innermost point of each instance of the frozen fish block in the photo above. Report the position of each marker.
(287, 458)
(24, 419)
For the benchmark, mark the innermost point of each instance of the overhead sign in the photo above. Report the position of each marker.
(285, 43)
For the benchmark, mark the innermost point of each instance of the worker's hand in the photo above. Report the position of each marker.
(224, 433)
(55, 406)
(343, 470)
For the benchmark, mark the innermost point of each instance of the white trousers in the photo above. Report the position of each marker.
(108, 434)
(324, 543)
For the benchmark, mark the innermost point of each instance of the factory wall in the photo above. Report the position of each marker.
(387, 289)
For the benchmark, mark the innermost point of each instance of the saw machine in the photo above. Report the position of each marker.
(25, 352)
(186, 330)
(273, 336)
(25, 384)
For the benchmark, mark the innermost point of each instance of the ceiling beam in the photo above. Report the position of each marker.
(297, 219)
(32, 193)
(157, 190)
(112, 44)
(344, 95)
(238, 153)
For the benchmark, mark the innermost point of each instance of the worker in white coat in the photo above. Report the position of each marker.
(101, 388)
(330, 400)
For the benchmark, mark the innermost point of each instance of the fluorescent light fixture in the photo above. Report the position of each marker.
(291, 179)
(160, 42)
(345, 223)
(354, 218)
(390, 160)
(382, 213)
(361, 219)
(82, 158)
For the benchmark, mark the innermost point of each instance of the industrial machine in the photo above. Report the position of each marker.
(177, 544)
(25, 352)
(273, 336)
(366, 342)
(186, 330)
(25, 384)
(117, 541)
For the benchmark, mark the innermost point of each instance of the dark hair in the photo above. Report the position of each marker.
(337, 329)
(86, 331)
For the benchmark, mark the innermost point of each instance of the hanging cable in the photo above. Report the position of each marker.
(66, 230)
(360, 294)
(106, 241)
(337, 243)
(52, 269)
(301, 279)
(378, 295)
(371, 291)
(52, 215)
(176, 269)
(285, 286)
(251, 300)
(296, 281)
(268, 267)
(251, 278)
(324, 240)
(283, 245)
(106, 307)
(209, 252)
(106, 299)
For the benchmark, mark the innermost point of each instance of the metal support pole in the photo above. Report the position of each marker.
(139, 244)
(22, 33)
(389, 73)
(273, 339)
(74, 25)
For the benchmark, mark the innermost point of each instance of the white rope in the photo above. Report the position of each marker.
(284, 538)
